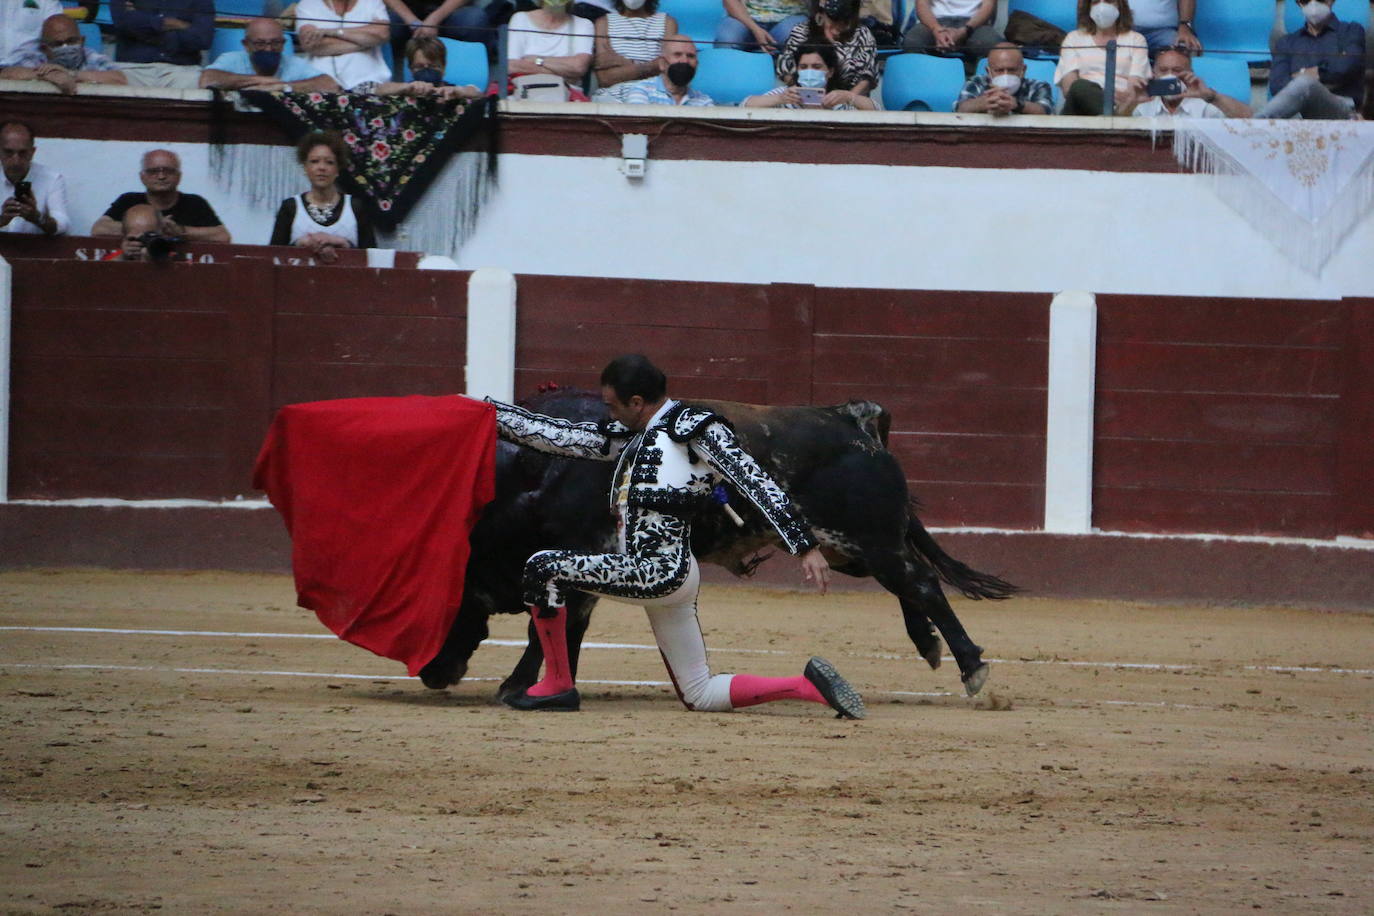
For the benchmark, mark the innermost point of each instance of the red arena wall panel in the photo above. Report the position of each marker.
(1218, 415)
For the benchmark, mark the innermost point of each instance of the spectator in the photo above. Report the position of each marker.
(323, 219)
(817, 67)
(343, 39)
(21, 24)
(1318, 71)
(952, 27)
(628, 42)
(61, 58)
(674, 85)
(550, 40)
(186, 216)
(466, 20)
(759, 25)
(35, 196)
(1167, 24)
(263, 65)
(171, 32)
(139, 220)
(1197, 101)
(1082, 70)
(1004, 89)
(427, 58)
(836, 22)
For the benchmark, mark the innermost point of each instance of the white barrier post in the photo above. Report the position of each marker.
(6, 275)
(491, 334)
(1069, 413)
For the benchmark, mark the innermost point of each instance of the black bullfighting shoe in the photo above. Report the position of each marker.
(567, 701)
(843, 698)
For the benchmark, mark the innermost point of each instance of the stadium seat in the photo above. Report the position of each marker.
(729, 76)
(239, 9)
(1042, 70)
(1228, 75)
(697, 19)
(921, 82)
(1236, 28)
(466, 64)
(91, 33)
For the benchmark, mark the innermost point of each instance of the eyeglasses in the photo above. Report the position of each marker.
(266, 45)
(162, 170)
(65, 42)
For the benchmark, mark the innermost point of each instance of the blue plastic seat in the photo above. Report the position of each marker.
(729, 76)
(921, 82)
(1237, 28)
(1042, 70)
(239, 9)
(1227, 75)
(465, 64)
(697, 19)
(90, 32)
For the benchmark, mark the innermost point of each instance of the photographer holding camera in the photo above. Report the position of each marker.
(35, 196)
(142, 238)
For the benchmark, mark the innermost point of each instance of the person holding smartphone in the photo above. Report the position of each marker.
(1176, 91)
(35, 196)
(815, 83)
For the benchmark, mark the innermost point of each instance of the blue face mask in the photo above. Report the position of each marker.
(429, 75)
(811, 79)
(265, 62)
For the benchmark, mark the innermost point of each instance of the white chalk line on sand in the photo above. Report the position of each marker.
(1068, 663)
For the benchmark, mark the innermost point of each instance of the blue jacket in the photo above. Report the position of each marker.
(141, 39)
(1338, 53)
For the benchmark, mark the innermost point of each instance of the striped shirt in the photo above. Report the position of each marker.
(636, 37)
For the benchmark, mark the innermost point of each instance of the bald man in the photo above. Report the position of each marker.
(264, 64)
(138, 221)
(62, 59)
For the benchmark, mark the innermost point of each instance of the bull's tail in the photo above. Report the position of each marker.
(969, 581)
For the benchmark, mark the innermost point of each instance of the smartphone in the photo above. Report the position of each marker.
(22, 189)
(1169, 85)
(810, 98)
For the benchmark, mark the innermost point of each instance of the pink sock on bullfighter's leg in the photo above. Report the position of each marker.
(751, 689)
(553, 638)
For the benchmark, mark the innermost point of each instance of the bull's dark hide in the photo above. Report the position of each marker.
(832, 460)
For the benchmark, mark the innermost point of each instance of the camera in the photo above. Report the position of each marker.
(158, 246)
(1168, 85)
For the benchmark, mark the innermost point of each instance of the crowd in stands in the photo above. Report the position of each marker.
(623, 51)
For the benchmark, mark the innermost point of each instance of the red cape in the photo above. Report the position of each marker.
(379, 496)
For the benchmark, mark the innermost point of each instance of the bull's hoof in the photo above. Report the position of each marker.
(567, 701)
(932, 655)
(437, 676)
(975, 679)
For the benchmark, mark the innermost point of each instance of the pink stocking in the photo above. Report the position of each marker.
(553, 638)
(751, 689)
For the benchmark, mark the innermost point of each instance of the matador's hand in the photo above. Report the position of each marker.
(816, 569)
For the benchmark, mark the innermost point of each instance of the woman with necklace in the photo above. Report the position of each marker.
(323, 219)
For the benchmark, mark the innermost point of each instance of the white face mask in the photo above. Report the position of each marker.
(1316, 13)
(1105, 15)
(633, 4)
(1007, 82)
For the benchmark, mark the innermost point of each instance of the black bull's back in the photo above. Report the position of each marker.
(834, 463)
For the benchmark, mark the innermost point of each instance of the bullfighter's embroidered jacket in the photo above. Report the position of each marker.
(671, 467)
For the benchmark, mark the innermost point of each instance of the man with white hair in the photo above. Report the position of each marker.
(186, 216)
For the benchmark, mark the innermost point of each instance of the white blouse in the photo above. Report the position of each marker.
(355, 67)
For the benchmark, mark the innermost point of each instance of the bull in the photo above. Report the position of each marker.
(834, 463)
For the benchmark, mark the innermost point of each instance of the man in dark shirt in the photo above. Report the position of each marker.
(1318, 71)
(187, 216)
(162, 31)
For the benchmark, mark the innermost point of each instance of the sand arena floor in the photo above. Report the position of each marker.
(1123, 758)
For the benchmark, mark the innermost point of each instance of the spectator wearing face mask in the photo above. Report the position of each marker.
(836, 23)
(629, 41)
(550, 40)
(1082, 70)
(1318, 71)
(953, 27)
(61, 58)
(427, 58)
(1004, 89)
(1198, 100)
(674, 85)
(262, 64)
(817, 68)
(21, 22)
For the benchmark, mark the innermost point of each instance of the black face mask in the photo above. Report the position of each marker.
(429, 75)
(265, 62)
(681, 74)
